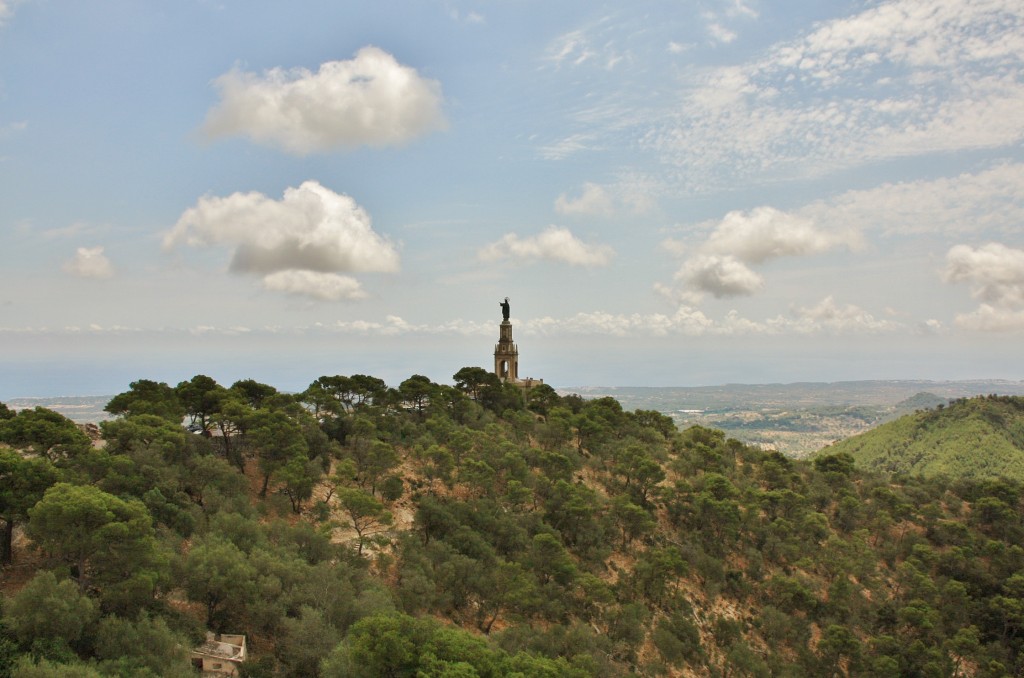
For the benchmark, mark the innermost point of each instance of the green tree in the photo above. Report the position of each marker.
(839, 650)
(278, 440)
(145, 644)
(45, 433)
(678, 639)
(109, 542)
(22, 483)
(44, 668)
(218, 575)
(542, 398)
(416, 392)
(549, 560)
(380, 645)
(299, 476)
(366, 515)
(50, 610)
(633, 521)
(148, 397)
(139, 432)
(506, 587)
(473, 380)
(253, 393)
(640, 472)
(201, 397)
(379, 458)
(232, 419)
(305, 641)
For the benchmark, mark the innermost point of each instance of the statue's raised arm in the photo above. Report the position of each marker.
(504, 309)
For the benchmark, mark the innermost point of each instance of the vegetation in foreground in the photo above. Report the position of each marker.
(429, 530)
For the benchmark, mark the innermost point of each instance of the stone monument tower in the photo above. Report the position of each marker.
(506, 353)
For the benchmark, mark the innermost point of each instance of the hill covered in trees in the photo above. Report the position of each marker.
(980, 437)
(430, 530)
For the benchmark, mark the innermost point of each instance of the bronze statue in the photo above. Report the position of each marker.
(504, 309)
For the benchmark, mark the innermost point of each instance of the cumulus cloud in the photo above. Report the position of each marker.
(554, 244)
(593, 201)
(323, 286)
(721, 265)
(370, 99)
(995, 274)
(311, 229)
(718, 275)
(767, 233)
(89, 262)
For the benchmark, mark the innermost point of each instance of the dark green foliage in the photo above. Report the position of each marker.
(108, 542)
(148, 397)
(22, 483)
(400, 645)
(44, 433)
(678, 640)
(52, 611)
(143, 644)
(572, 538)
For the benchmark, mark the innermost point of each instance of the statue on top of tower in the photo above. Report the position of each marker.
(504, 309)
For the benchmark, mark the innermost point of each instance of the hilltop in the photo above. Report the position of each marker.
(796, 419)
(980, 437)
(359, 530)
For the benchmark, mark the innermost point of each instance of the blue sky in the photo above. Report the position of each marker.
(671, 193)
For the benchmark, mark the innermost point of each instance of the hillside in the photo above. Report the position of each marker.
(796, 419)
(356, 529)
(979, 437)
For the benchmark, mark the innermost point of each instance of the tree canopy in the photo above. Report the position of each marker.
(474, 530)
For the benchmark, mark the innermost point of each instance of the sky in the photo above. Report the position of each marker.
(671, 193)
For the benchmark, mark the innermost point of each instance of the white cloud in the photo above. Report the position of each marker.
(563, 148)
(311, 229)
(718, 275)
(323, 286)
(554, 244)
(829, 316)
(369, 100)
(740, 8)
(990, 200)
(994, 271)
(767, 233)
(720, 33)
(988, 318)
(732, 10)
(571, 48)
(826, 317)
(721, 268)
(995, 274)
(901, 78)
(89, 262)
(594, 200)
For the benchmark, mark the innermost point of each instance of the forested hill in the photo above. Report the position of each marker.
(979, 437)
(425, 530)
